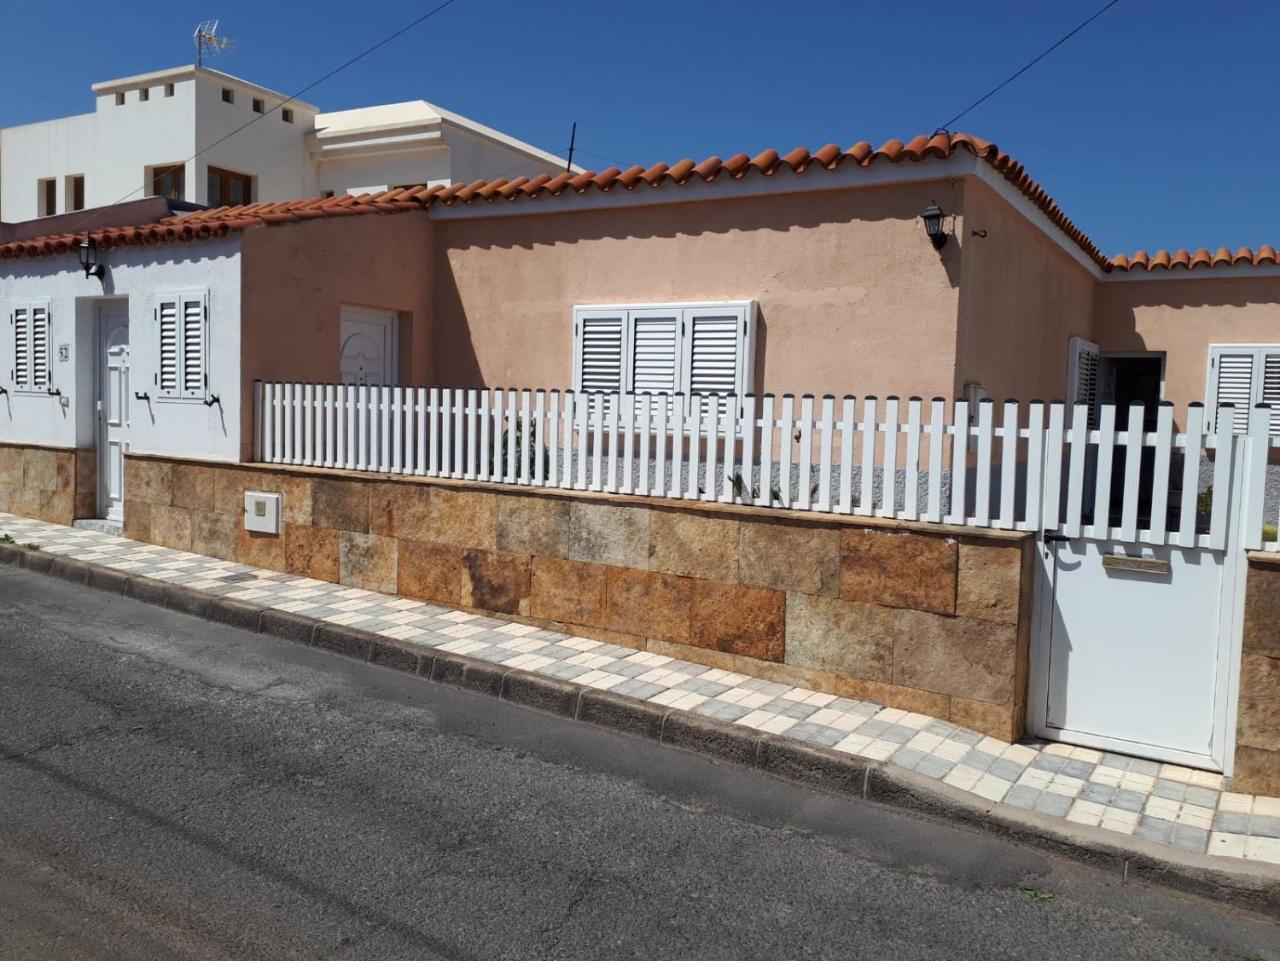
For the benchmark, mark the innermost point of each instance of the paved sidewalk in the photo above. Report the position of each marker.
(1163, 803)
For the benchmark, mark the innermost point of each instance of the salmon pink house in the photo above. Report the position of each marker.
(811, 273)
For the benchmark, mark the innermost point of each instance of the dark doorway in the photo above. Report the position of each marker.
(1127, 381)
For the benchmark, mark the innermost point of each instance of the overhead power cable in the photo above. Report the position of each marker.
(1000, 86)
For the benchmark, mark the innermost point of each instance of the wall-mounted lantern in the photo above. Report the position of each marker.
(89, 258)
(932, 218)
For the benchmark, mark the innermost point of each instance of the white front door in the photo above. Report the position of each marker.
(368, 350)
(113, 407)
(1131, 650)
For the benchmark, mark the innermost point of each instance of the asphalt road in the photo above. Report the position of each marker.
(175, 789)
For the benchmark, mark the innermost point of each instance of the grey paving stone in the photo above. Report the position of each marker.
(1049, 762)
(1118, 761)
(897, 733)
(1128, 800)
(934, 766)
(1190, 838)
(873, 728)
(1265, 826)
(962, 736)
(907, 757)
(1203, 796)
(940, 728)
(1231, 822)
(1022, 796)
(1099, 793)
(980, 760)
(1173, 790)
(1055, 805)
(1154, 829)
(1138, 766)
(797, 710)
(1009, 770)
(1080, 769)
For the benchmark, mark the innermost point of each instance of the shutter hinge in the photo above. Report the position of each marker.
(744, 328)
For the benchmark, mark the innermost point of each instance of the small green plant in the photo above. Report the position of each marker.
(31, 546)
(1204, 503)
(1037, 894)
(7, 539)
(534, 452)
(1269, 532)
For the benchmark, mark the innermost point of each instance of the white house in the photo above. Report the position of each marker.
(145, 130)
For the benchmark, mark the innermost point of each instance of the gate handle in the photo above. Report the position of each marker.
(1050, 538)
(142, 395)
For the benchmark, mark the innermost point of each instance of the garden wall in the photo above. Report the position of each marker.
(50, 484)
(932, 619)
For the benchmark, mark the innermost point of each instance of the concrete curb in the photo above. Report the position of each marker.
(1253, 885)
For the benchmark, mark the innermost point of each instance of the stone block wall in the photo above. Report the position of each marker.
(935, 620)
(50, 484)
(1257, 769)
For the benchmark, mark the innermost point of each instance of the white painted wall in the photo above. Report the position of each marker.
(183, 428)
(366, 149)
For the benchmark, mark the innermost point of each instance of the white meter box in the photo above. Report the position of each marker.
(262, 512)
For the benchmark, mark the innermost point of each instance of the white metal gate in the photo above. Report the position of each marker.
(1137, 593)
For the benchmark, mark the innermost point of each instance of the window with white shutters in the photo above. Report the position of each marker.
(1245, 375)
(32, 359)
(182, 329)
(665, 349)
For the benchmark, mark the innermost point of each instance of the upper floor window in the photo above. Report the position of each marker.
(168, 90)
(227, 188)
(47, 196)
(286, 115)
(259, 105)
(144, 94)
(228, 95)
(1244, 375)
(120, 98)
(75, 192)
(168, 182)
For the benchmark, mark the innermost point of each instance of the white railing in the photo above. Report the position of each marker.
(1041, 467)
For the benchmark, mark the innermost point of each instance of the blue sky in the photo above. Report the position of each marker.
(1154, 127)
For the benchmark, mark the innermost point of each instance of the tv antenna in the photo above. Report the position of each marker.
(209, 42)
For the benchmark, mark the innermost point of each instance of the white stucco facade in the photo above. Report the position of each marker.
(138, 276)
(166, 118)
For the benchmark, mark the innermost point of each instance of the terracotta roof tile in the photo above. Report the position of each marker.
(1170, 260)
(219, 222)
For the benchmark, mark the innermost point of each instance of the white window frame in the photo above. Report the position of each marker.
(181, 393)
(745, 311)
(33, 385)
(1260, 351)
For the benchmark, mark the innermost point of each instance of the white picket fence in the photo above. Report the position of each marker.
(1041, 467)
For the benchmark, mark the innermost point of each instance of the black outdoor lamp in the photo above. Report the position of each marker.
(932, 218)
(89, 259)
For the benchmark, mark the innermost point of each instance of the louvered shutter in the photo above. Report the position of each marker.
(1233, 384)
(600, 358)
(170, 345)
(717, 352)
(41, 372)
(22, 347)
(600, 361)
(655, 352)
(183, 330)
(1082, 375)
(1271, 387)
(194, 348)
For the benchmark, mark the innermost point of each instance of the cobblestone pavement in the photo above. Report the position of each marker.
(1165, 803)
